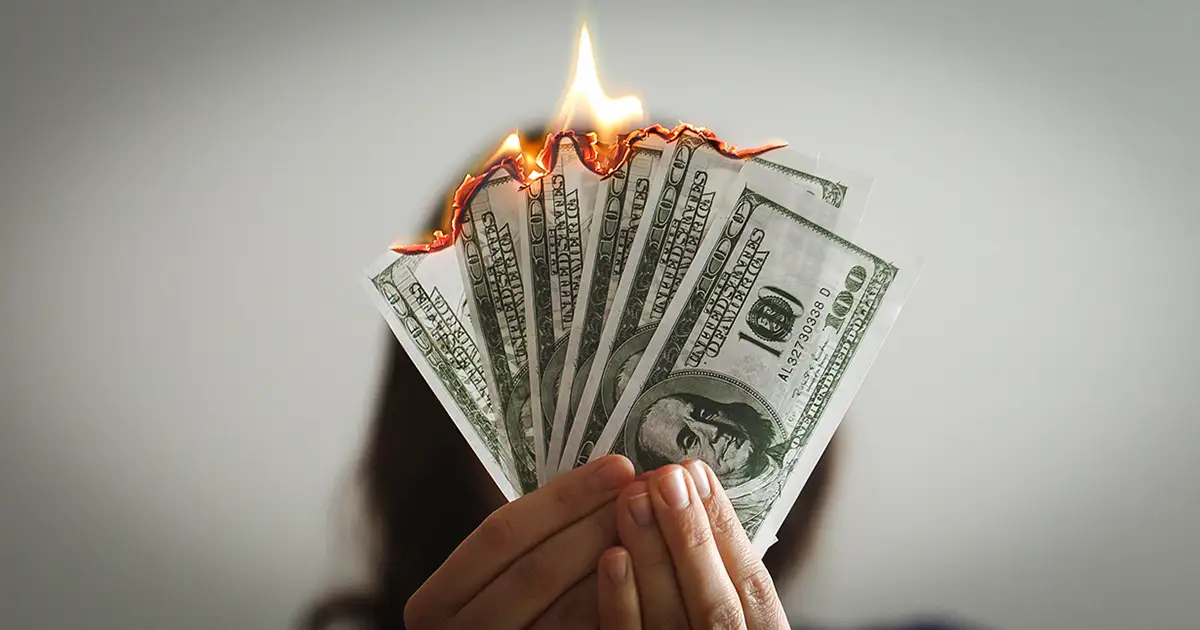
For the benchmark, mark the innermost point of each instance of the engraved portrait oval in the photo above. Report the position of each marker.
(708, 416)
(577, 386)
(518, 420)
(551, 376)
(621, 365)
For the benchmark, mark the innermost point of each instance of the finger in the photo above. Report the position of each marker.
(617, 598)
(530, 585)
(514, 529)
(575, 609)
(755, 588)
(708, 594)
(658, 592)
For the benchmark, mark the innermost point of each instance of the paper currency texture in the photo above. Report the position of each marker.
(753, 351)
(423, 300)
(554, 236)
(695, 301)
(488, 252)
(690, 181)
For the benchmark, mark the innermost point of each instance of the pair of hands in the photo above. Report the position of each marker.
(597, 547)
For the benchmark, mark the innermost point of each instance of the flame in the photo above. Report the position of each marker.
(608, 115)
(511, 144)
(602, 157)
(591, 154)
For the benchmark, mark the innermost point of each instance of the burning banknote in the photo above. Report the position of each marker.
(654, 292)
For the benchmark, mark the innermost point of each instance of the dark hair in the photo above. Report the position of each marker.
(425, 491)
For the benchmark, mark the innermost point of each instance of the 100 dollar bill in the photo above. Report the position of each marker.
(690, 181)
(621, 200)
(554, 234)
(424, 303)
(759, 353)
(488, 249)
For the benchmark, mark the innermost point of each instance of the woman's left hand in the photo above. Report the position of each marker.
(685, 561)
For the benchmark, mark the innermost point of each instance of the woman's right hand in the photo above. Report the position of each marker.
(685, 560)
(532, 562)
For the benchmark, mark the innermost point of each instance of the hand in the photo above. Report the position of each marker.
(532, 562)
(685, 560)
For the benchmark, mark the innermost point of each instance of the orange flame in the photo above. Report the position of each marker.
(511, 144)
(600, 156)
(587, 146)
(608, 115)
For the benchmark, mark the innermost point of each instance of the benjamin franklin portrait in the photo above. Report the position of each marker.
(733, 438)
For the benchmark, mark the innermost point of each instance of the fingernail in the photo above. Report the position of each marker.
(613, 475)
(700, 478)
(639, 507)
(673, 489)
(617, 565)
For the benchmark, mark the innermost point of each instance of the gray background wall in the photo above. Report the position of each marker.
(187, 364)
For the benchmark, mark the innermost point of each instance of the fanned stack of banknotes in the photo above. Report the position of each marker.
(689, 305)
